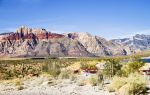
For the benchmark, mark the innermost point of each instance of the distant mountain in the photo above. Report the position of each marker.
(135, 43)
(31, 42)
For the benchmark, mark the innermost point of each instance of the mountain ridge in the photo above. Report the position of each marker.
(38, 42)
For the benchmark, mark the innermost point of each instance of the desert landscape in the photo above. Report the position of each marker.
(74, 76)
(74, 47)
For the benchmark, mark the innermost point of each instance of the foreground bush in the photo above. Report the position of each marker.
(131, 67)
(117, 83)
(93, 80)
(136, 84)
(52, 68)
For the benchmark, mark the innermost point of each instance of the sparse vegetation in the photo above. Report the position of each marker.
(52, 68)
(131, 67)
(81, 82)
(93, 80)
(123, 74)
(117, 83)
(136, 84)
(65, 74)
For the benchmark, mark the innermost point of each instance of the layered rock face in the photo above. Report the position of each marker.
(98, 46)
(28, 42)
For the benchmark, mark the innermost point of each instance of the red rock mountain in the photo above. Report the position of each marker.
(28, 42)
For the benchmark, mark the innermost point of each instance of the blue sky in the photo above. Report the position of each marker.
(106, 18)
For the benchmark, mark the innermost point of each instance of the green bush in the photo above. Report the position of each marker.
(54, 69)
(131, 67)
(112, 67)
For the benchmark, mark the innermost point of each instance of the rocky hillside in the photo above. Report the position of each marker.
(135, 43)
(28, 42)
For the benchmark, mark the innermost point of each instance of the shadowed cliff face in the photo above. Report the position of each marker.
(26, 42)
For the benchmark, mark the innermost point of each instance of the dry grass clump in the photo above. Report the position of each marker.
(65, 74)
(117, 83)
(93, 80)
(52, 68)
(18, 83)
(88, 66)
(135, 84)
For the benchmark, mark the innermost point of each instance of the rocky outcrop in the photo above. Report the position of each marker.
(27, 42)
(98, 46)
(135, 44)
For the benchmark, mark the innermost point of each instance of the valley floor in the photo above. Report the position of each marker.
(42, 86)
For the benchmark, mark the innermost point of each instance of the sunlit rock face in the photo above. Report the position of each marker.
(98, 46)
(26, 42)
(136, 43)
(38, 42)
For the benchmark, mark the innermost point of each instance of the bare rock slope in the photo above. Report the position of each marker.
(28, 42)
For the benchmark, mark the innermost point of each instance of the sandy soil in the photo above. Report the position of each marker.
(44, 86)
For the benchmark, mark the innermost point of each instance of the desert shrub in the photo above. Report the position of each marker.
(136, 84)
(112, 67)
(117, 83)
(18, 82)
(65, 74)
(131, 67)
(18, 70)
(93, 80)
(52, 68)
(83, 65)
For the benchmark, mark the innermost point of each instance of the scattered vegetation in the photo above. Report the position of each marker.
(136, 84)
(81, 82)
(131, 67)
(117, 83)
(124, 75)
(93, 80)
(52, 69)
(65, 74)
